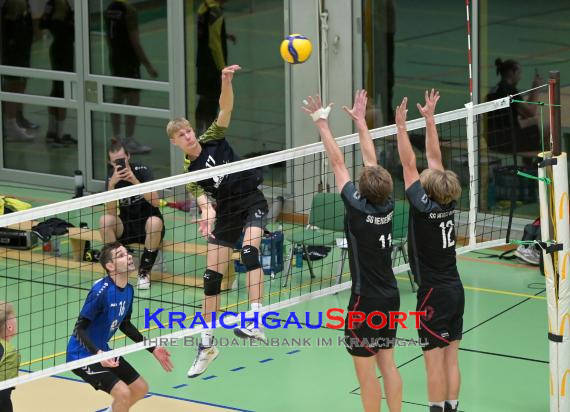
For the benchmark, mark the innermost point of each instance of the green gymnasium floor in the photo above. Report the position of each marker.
(504, 354)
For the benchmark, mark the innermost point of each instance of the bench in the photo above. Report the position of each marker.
(78, 237)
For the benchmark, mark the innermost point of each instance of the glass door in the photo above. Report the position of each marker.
(39, 97)
(81, 73)
(130, 50)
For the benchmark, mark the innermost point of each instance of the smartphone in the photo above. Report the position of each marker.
(121, 163)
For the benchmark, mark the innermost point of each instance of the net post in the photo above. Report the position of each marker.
(554, 111)
(470, 124)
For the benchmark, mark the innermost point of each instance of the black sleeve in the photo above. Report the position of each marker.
(351, 197)
(1, 351)
(132, 332)
(80, 333)
(419, 199)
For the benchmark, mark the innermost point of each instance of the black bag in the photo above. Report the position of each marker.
(51, 227)
(317, 252)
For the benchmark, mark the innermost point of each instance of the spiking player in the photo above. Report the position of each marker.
(107, 308)
(431, 242)
(241, 208)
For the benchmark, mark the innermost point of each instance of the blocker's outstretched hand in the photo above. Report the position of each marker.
(358, 111)
(428, 110)
(402, 114)
(314, 107)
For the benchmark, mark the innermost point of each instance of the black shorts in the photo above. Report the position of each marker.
(236, 214)
(443, 322)
(104, 379)
(362, 340)
(6, 400)
(17, 43)
(134, 230)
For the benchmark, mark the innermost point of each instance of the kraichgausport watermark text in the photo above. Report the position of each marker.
(316, 342)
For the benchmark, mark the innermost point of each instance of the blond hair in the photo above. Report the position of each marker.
(375, 184)
(441, 185)
(6, 310)
(175, 125)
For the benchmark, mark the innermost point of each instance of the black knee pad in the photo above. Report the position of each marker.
(250, 257)
(212, 282)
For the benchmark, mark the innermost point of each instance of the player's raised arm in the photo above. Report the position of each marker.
(433, 152)
(358, 114)
(314, 108)
(407, 156)
(227, 96)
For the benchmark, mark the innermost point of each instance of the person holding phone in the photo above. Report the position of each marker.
(139, 219)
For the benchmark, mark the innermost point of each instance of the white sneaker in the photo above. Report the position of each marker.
(13, 131)
(143, 282)
(529, 254)
(250, 332)
(204, 357)
(135, 147)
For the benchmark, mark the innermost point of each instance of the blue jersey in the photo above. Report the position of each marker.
(106, 307)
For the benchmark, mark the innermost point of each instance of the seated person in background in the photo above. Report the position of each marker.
(140, 220)
(518, 121)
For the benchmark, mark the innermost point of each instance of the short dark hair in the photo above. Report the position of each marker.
(116, 145)
(106, 255)
(375, 184)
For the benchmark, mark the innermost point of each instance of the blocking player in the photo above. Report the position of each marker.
(368, 229)
(431, 245)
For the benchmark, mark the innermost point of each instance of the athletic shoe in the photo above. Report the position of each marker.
(529, 254)
(135, 147)
(204, 357)
(435, 408)
(448, 407)
(250, 332)
(25, 123)
(143, 281)
(13, 131)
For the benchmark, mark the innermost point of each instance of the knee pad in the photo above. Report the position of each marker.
(212, 282)
(250, 257)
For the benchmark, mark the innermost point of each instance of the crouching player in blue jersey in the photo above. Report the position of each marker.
(107, 308)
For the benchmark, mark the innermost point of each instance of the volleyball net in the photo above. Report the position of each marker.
(302, 253)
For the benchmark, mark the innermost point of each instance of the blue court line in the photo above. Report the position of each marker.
(293, 351)
(162, 395)
(179, 386)
(239, 368)
(265, 360)
(207, 378)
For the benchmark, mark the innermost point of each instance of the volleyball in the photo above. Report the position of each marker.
(296, 48)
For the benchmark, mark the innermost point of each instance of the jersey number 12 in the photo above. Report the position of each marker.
(446, 236)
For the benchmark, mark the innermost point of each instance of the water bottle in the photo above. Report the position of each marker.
(298, 256)
(266, 255)
(56, 249)
(78, 181)
(87, 247)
